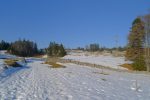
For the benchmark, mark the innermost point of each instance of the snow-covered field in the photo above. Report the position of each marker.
(38, 81)
(107, 61)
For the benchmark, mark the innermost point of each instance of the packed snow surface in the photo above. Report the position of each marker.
(38, 81)
(107, 61)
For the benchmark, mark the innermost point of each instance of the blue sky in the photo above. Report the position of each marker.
(71, 22)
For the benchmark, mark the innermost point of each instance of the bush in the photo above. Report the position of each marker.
(56, 50)
(139, 64)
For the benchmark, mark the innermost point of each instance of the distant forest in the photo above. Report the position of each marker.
(94, 47)
(27, 48)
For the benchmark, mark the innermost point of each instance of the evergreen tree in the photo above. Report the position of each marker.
(4, 45)
(56, 50)
(62, 50)
(135, 51)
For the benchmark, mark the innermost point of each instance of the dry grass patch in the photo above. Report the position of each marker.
(128, 66)
(12, 62)
(53, 62)
(55, 65)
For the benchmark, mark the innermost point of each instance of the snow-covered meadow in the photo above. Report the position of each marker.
(104, 60)
(38, 81)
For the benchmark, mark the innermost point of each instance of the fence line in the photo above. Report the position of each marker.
(94, 65)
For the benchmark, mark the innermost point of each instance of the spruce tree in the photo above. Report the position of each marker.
(4, 45)
(135, 49)
(56, 50)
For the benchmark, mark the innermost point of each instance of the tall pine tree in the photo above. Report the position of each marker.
(135, 49)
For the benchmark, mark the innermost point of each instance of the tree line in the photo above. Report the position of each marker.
(27, 48)
(23, 48)
(94, 47)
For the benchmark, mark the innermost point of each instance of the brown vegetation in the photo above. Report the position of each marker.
(53, 62)
(12, 62)
(55, 65)
(128, 66)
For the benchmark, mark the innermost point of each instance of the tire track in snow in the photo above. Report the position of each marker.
(48, 85)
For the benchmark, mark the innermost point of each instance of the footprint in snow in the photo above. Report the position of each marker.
(35, 95)
(136, 87)
(84, 83)
(69, 97)
(89, 89)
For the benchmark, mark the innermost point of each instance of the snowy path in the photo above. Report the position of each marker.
(36, 82)
(40, 82)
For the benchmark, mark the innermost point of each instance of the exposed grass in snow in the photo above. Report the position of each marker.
(53, 62)
(128, 66)
(12, 62)
(55, 65)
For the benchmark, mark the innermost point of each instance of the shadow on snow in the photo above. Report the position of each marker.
(10, 71)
